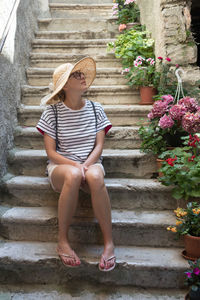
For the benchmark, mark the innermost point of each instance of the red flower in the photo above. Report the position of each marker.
(170, 161)
(168, 59)
(177, 66)
(160, 57)
(191, 158)
(193, 140)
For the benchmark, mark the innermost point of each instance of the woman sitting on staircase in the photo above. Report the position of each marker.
(74, 129)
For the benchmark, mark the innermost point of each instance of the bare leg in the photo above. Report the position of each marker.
(102, 210)
(67, 179)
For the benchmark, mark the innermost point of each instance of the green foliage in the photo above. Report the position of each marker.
(127, 13)
(132, 44)
(181, 169)
(143, 76)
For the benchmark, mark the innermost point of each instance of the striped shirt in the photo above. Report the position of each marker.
(76, 129)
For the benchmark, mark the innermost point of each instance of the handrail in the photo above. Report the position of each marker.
(7, 27)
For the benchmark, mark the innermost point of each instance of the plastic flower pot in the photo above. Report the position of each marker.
(146, 95)
(192, 246)
(193, 295)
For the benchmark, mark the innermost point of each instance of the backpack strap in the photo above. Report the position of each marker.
(54, 107)
(95, 113)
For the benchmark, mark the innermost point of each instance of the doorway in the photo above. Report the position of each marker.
(195, 27)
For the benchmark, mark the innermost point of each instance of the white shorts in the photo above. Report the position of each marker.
(51, 166)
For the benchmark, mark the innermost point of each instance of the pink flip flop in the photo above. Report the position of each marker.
(66, 255)
(105, 261)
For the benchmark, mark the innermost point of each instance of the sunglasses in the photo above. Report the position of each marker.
(77, 75)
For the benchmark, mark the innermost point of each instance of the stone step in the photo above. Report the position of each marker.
(72, 34)
(130, 228)
(104, 76)
(117, 138)
(117, 163)
(130, 194)
(119, 115)
(52, 60)
(104, 94)
(64, 10)
(78, 24)
(85, 291)
(145, 267)
(81, 1)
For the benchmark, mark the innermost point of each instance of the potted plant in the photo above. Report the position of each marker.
(143, 74)
(127, 13)
(188, 226)
(168, 122)
(193, 280)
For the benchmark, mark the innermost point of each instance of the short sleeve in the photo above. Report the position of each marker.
(102, 120)
(47, 123)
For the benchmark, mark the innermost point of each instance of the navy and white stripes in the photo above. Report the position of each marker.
(76, 128)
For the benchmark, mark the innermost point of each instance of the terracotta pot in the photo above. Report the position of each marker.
(146, 94)
(159, 165)
(192, 246)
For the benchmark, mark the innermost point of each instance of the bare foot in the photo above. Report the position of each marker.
(107, 253)
(65, 249)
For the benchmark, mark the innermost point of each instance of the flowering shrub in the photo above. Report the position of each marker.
(126, 11)
(193, 275)
(168, 122)
(181, 169)
(143, 72)
(187, 220)
(130, 45)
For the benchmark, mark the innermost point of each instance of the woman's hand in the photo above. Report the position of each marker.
(83, 168)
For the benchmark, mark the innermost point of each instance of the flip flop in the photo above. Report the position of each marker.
(66, 255)
(105, 261)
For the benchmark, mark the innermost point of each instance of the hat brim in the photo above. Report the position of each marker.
(87, 65)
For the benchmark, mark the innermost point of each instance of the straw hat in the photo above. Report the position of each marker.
(61, 74)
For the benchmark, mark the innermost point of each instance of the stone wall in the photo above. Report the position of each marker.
(13, 61)
(169, 21)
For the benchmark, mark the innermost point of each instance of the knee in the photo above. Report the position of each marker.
(73, 176)
(95, 178)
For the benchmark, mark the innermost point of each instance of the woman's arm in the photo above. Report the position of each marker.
(96, 153)
(50, 147)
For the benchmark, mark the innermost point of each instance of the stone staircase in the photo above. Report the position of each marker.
(148, 256)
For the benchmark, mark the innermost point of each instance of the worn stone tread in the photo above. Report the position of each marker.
(35, 262)
(84, 291)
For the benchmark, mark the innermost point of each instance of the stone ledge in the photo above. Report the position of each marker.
(33, 262)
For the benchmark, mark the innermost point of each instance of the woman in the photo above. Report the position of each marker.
(74, 134)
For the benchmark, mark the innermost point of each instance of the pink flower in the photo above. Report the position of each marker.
(150, 116)
(159, 109)
(191, 122)
(168, 98)
(177, 66)
(122, 27)
(189, 275)
(177, 112)
(125, 70)
(139, 58)
(149, 59)
(166, 122)
(160, 57)
(129, 1)
(168, 59)
(190, 103)
(196, 271)
(152, 62)
(136, 64)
